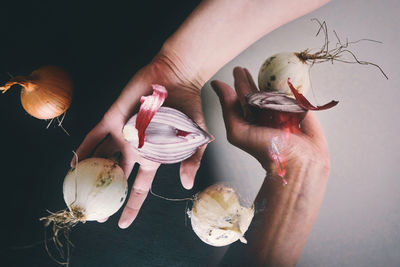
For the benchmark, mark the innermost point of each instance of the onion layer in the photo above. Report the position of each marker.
(217, 217)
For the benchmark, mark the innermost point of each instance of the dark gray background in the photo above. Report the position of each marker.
(102, 45)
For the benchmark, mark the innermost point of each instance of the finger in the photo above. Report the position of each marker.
(138, 194)
(106, 149)
(253, 85)
(242, 87)
(190, 166)
(102, 220)
(92, 139)
(230, 105)
(311, 127)
(129, 157)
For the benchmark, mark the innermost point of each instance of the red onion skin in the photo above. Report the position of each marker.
(149, 106)
(304, 103)
(266, 113)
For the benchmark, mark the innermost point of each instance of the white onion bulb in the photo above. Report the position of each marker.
(276, 70)
(95, 189)
(217, 217)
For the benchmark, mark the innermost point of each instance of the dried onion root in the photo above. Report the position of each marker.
(277, 69)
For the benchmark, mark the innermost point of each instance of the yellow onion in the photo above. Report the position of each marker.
(46, 93)
(217, 217)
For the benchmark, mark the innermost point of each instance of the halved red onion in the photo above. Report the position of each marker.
(170, 137)
(276, 110)
(274, 101)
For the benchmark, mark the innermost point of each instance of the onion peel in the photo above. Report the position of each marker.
(304, 103)
(148, 108)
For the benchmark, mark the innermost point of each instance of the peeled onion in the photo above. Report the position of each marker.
(217, 217)
(46, 93)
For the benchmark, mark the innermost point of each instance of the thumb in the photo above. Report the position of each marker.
(230, 104)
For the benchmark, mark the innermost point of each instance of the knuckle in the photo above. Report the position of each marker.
(196, 160)
(138, 191)
(233, 136)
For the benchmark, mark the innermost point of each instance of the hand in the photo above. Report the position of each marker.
(285, 213)
(278, 150)
(106, 137)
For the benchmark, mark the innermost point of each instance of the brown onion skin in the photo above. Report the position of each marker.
(47, 92)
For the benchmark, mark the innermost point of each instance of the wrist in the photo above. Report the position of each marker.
(297, 168)
(186, 73)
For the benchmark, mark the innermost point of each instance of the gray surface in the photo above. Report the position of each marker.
(359, 221)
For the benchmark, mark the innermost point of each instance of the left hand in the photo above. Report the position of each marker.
(106, 137)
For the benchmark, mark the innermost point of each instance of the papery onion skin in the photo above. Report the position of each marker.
(47, 92)
(171, 136)
(217, 217)
(95, 189)
(276, 70)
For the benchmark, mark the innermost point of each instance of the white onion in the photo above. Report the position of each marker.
(275, 71)
(217, 217)
(95, 189)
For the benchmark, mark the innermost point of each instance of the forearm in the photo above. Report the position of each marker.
(287, 214)
(218, 30)
(215, 32)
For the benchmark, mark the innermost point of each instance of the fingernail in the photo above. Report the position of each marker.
(123, 224)
(188, 186)
(237, 68)
(186, 182)
(103, 220)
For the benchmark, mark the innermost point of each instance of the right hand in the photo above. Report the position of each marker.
(273, 148)
(106, 138)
